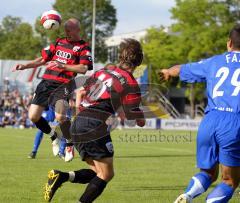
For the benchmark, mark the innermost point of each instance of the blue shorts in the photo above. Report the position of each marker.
(49, 115)
(218, 140)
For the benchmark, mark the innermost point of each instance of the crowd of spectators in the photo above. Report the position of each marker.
(14, 109)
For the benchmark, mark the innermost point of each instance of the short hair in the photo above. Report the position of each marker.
(130, 53)
(234, 35)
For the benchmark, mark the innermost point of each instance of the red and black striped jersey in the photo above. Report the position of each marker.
(112, 88)
(66, 52)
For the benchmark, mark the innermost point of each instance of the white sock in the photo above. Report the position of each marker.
(52, 132)
(71, 176)
(196, 188)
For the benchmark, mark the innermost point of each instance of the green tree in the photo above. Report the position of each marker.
(200, 30)
(18, 40)
(82, 10)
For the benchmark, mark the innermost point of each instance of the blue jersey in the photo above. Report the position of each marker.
(222, 76)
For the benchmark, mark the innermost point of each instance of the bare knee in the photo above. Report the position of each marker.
(231, 175)
(106, 175)
(34, 117)
(229, 180)
(35, 113)
(60, 118)
(213, 173)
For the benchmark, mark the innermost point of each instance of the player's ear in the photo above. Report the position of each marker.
(229, 45)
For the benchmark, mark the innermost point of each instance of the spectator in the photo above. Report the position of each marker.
(13, 109)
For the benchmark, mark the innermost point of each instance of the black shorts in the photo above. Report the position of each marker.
(48, 92)
(97, 148)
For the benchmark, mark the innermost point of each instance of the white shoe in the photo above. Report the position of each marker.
(69, 153)
(55, 146)
(183, 198)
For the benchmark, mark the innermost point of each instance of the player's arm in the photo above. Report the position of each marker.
(32, 64)
(190, 72)
(79, 68)
(80, 94)
(131, 107)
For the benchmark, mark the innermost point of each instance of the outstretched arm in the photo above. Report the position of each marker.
(32, 64)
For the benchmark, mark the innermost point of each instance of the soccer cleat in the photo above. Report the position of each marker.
(69, 153)
(55, 180)
(32, 155)
(183, 198)
(55, 146)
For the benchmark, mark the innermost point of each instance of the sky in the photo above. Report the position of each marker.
(132, 15)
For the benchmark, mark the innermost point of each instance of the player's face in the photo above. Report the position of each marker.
(74, 33)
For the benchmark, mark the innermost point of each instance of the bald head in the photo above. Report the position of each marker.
(72, 29)
(71, 24)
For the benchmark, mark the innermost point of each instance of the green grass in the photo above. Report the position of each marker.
(145, 172)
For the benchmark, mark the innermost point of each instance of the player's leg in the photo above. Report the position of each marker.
(207, 161)
(37, 142)
(56, 178)
(35, 115)
(228, 138)
(230, 180)
(61, 112)
(62, 147)
(96, 186)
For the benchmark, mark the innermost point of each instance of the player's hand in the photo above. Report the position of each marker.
(141, 122)
(59, 65)
(164, 74)
(55, 64)
(18, 67)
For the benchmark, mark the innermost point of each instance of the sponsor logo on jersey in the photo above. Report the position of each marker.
(61, 60)
(63, 54)
(76, 48)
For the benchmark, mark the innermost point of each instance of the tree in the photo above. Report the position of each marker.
(18, 40)
(159, 50)
(200, 30)
(82, 10)
(10, 23)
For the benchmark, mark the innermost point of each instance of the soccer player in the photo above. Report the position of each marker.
(49, 115)
(64, 59)
(104, 92)
(218, 139)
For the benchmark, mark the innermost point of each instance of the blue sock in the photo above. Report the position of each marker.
(37, 141)
(198, 184)
(62, 146)
(222, 193)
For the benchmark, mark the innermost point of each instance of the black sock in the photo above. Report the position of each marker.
(93, 190)
(65, 128)
(43, 125)
(83, 176)
(64, 176)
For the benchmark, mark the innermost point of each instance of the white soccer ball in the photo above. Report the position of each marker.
(51, 20)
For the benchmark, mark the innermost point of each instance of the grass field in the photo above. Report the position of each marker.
(145, 172)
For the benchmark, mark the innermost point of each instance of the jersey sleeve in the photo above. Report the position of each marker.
(85, 57)
(195, 72)
(48, 52)
(130, 102)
